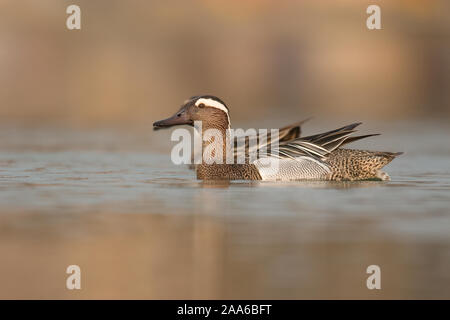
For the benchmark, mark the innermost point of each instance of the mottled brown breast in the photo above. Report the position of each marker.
(227, 172)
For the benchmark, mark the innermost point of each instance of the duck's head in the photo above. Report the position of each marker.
(210, 110)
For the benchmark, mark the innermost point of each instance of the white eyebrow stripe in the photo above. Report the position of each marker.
(214, 104)
(211, 103)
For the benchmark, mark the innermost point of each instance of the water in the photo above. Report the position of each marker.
(141, 227)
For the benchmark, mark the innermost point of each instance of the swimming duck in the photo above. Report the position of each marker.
(315, 157)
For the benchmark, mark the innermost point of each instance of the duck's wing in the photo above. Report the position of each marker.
(317, 146)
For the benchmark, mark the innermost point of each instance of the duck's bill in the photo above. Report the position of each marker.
(175, 120)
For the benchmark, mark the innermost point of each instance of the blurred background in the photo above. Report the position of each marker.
(84, 180)
(134, 61)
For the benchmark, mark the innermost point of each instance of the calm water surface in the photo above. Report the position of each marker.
(140, 227)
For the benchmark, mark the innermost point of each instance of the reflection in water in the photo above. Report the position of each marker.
(196, 256)
(140, 227)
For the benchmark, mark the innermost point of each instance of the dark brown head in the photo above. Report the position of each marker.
(210, 110)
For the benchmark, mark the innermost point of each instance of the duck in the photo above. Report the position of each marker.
(288, 157)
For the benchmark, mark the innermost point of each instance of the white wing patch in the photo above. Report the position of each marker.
(214, 104)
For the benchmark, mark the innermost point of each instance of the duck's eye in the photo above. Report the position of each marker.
(201, 105)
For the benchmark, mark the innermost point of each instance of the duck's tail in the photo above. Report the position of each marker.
(349, 164)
